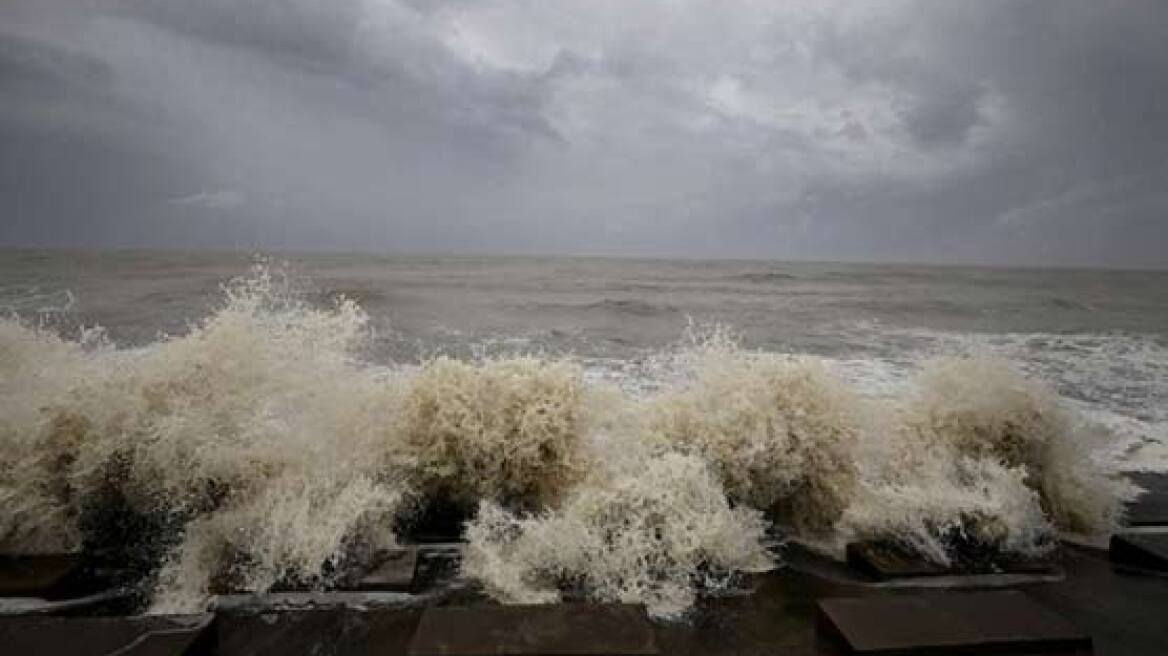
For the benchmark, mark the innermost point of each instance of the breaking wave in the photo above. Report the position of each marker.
(260, 448)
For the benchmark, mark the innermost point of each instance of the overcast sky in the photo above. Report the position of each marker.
(1002, 132)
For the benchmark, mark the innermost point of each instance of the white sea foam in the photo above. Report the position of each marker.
(652, 528)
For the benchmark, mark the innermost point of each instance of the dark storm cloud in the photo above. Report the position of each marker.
(308, 33)
(1010, 132)
(1081, 97)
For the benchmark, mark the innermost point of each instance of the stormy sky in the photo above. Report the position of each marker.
(1007, 132)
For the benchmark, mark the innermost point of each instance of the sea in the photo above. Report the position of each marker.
(275, 415)
(1100, 337)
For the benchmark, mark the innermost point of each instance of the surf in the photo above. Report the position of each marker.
(261, 446)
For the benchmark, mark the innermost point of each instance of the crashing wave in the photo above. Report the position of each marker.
(260, 448)
(653, 529)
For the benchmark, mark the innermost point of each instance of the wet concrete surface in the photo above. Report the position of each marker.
(576, 628)
(1151, 508)
(883, 561)
(1146, 550)
(105, 636)
(1123, 609)
(324, 632)
(947, 623)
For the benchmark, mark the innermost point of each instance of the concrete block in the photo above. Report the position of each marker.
(965, 622)
(1147, 550)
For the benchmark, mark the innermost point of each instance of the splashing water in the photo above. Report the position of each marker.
(264, 449)
(654, 529)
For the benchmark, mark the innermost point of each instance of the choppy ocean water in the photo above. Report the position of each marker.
(1100, 337)
(281, 415)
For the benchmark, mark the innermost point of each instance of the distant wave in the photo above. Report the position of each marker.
(1068, 304)
(617, 306)
(764, 277)
(631, 306)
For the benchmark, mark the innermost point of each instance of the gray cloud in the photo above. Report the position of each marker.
(1006, 132)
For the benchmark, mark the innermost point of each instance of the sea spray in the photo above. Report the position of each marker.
(209, 429)
(260, 448)
(946, 507)
(979, 459)
(648, 528)
(779, 430)
(37, 371)
(298, 529)
(983, 407)
(508, 430)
